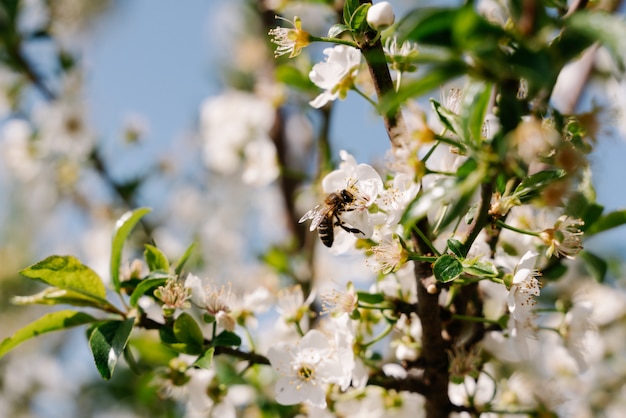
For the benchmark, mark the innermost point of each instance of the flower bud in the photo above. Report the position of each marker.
(380, 16)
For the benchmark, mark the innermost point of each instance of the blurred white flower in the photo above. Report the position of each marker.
(18, 151)
(336, 74)
(237, 124)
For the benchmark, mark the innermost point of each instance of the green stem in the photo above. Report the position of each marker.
(478, 319)
(426, 240)
(514, 229)
(333, 40)
(379, 337)
(299, 329)
(365, 96)
(418, 257)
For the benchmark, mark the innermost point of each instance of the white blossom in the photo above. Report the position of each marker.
(305, 369)
(525, 288)
(335, 74)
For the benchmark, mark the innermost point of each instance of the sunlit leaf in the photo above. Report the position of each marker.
(56, 296)
(155, 259)
(122, 230)
(144, 287)
(67, 272)
(205, 360)
(54, 321)
(180, 264)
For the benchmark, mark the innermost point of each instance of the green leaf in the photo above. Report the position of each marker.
(144, 287)
(448, 118)
(609, 221)
(227, 339)
(107, 341)
(532, 185)
(155, 259)
(187, 330)
(370, 298)
(447, 268)
(181, 262)
(293, 77)
(431, 81)
(56, 296)
(358, 22)
(349, 7)
(122, 230)
(337, 29)
(474, 105)
(205, 360)
(456, 247)
(481, 269)
(596, 266)
(67, 272)
(608, 29)
(428, 26)
(54, 321)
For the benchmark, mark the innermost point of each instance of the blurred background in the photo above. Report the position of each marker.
(130, 83)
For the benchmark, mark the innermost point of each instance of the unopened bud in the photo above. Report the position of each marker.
(380, 16)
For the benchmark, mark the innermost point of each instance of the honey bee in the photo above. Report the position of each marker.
(325, 217)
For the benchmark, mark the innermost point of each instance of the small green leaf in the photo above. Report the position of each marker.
(54, 321)
(187, 330)
(107, 341)
(532, 185)
(122, 230)
(609, 221)
(144, 287)
(293, 77)
(205, 360)
(358, 22)
(370, 298)
(456, 247)
(447, 268)
(183, 259)
(596, 266)
(349, 7)
(481, 269)
(67, 272)
(155, 259)
(337, 29)
(227, 339)
(448, 118)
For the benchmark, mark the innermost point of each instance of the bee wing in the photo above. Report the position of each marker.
(317, 214)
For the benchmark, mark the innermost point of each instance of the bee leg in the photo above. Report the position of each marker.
(348, 229)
